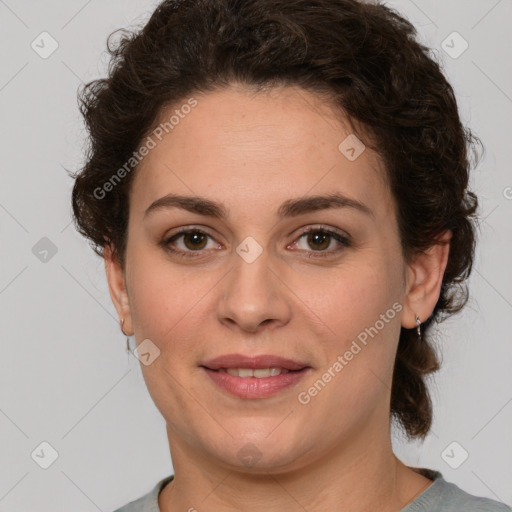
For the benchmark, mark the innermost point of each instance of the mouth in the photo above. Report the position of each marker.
(258, 373)
(254, 377)
(260, 362)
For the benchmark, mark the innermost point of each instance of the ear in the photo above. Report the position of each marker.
(117, 288)
(424, 278)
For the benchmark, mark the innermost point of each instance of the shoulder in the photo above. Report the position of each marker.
(459, 500)
(134, 506)
(443, 496)
(148, 502)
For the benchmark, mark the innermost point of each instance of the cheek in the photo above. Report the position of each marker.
(362, 308)
(354, 296)
(165, 300)
(351, 387)
(165, 303)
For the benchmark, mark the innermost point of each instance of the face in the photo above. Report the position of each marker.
(321, 284)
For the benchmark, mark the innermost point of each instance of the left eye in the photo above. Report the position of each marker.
(321, 239)
(195, 241)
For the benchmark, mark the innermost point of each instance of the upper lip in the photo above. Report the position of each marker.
(253, 362)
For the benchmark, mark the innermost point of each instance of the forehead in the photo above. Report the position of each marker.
(258, 149)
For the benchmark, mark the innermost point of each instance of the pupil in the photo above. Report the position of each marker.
(314, 238)
(196, 237)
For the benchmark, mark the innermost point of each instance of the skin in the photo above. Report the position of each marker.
(251, 152)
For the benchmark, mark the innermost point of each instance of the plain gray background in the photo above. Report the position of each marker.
(65, 376)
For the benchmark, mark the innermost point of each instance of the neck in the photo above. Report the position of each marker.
(361, 475)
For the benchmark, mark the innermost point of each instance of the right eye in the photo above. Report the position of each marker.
(193, 241)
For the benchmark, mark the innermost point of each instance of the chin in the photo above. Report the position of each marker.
(260, 454)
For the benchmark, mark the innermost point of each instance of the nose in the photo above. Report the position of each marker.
(254, 296)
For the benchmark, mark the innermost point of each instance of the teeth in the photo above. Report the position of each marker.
(242, 372)
(259, 373)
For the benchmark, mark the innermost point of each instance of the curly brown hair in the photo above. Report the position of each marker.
(363, 57)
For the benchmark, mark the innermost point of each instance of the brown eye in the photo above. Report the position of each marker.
(187, 243)
(194, 240)
(318, 241)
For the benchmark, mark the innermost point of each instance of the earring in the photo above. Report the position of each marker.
(127, 338)
(418, 328)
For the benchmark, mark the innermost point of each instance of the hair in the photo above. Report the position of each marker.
(363, 57)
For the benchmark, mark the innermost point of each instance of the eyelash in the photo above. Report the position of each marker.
(344, 241)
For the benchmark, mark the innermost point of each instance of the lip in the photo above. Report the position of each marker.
(253, 387)
(253, 362)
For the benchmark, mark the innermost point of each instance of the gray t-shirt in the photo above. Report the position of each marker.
(441, 496)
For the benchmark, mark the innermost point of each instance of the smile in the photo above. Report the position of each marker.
(258, 373)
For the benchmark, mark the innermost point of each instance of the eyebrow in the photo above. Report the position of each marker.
(290, 208)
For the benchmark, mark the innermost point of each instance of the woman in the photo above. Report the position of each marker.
(279, 191)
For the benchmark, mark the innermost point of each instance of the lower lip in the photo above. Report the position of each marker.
(252, 387)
